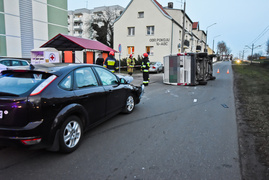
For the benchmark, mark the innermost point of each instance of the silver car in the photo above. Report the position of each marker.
(156, 67)
(14, 62)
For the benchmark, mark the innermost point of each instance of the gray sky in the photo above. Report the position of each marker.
(239, 22)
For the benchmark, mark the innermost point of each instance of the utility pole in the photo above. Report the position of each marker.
(214, 41)
(252, 48)
(252, 53)
(183, 30)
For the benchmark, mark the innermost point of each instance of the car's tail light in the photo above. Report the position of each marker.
(31, 141)
(43, 85)
(154, 67)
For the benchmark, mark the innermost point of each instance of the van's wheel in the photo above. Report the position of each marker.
(70, 134)
(129, 104)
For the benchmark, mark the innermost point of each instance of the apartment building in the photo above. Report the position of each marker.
(27, 24)
(80, 20)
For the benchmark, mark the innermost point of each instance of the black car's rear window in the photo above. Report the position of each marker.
(17, 83)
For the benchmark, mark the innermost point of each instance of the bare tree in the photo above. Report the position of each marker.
(103, 25)
(223, 49)
(255, 56)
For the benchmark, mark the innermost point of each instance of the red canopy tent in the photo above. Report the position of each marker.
(69, 44)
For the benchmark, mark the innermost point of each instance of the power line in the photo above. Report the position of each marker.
(261, 35)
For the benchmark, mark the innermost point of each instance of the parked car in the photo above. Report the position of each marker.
(14, 62)
(156, 67)
(52, 105)
(2, 67)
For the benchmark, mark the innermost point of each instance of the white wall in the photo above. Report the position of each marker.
(13, 51)
(152, 16)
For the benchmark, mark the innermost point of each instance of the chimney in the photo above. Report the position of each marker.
(170, 5)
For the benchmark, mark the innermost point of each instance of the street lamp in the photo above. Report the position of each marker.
(206, 35)
(214, 40)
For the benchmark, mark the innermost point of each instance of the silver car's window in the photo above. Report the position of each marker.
(16, 63)
(6, 63)
(24, 63)
(106, 77)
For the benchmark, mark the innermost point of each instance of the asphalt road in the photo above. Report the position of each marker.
(176, 132)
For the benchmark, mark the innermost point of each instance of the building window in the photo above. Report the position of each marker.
(131, 31)
(150, 50)
(140, 14)
(130, 49)
(150, 30)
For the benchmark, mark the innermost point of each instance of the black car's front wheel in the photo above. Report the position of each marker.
(129, 104)
(70, 134)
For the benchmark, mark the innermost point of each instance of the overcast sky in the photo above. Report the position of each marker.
(239, 22)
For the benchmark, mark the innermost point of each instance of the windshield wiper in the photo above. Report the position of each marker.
(8, 94)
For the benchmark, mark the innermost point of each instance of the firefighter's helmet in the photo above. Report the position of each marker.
(111, 53)
(145, 55)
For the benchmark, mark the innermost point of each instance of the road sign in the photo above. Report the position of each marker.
(120, 48)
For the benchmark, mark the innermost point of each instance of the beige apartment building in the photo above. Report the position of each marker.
(147, 26)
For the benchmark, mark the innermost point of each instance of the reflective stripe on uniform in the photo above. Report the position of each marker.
(145, 82)
(110, 63)
(145, 70)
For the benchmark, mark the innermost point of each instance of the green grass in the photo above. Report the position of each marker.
(252, 96)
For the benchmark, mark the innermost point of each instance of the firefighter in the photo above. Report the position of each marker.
(145, 69)
(130, 65)
(111, 62)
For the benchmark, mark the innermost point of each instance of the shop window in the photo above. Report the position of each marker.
(150, 30)
(130, 49)
(140, 14)
(131, 31)
(150, 50)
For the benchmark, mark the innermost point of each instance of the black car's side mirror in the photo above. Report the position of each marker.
(123, 81)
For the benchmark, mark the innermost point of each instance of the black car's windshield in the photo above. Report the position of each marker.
(17, 83)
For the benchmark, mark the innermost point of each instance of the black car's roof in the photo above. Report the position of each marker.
(53, 68)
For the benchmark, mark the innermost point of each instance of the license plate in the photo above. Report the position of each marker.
(1, 114)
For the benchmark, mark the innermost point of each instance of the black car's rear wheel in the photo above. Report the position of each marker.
(70, 134)
(129, 104)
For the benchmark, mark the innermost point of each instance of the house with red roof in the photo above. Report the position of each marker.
(147, 26)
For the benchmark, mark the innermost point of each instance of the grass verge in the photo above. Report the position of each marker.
(251, 83)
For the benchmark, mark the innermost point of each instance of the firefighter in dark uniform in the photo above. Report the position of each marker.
(111, 62)
(145, 69)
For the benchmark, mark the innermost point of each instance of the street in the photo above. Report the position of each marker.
(176, 132)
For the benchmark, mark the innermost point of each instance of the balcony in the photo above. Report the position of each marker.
(186, 44)
(77, 19)
(78, 27)
(77, 35)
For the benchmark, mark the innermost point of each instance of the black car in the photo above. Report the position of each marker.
(52, 105)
